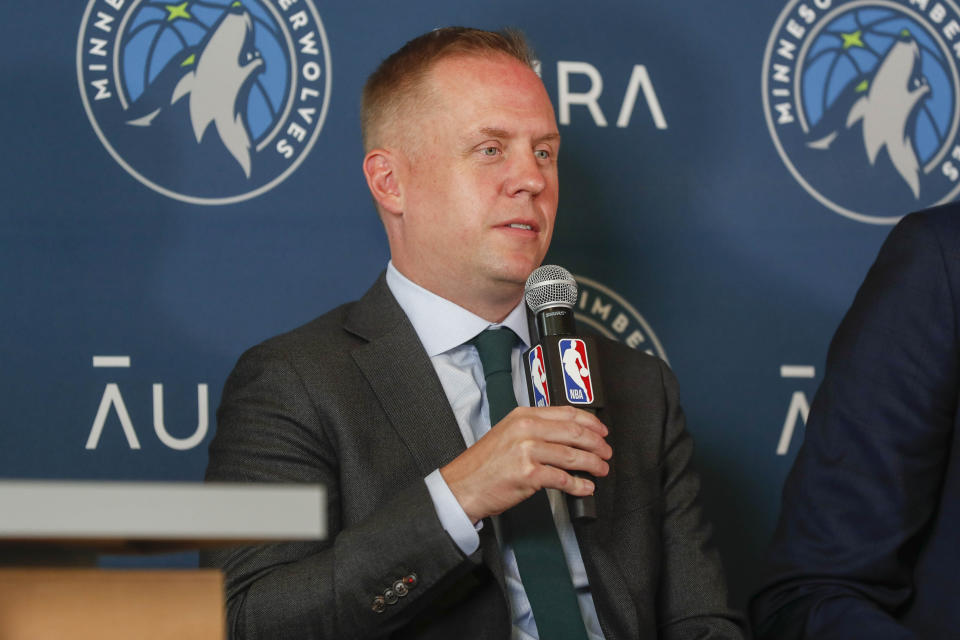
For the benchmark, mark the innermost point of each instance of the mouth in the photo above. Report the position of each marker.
(524, 231)
(522, 226)
(919, 83)
(249, 58)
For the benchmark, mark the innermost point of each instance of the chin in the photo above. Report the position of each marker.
(514, 269)
(518, 274)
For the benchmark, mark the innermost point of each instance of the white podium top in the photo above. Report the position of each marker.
(145, 513)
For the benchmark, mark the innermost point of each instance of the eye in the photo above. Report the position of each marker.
(490, 152)
(542, 154)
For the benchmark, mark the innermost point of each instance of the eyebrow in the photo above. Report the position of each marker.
(495, 132)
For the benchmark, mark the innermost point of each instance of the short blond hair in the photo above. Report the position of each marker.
(395, 89)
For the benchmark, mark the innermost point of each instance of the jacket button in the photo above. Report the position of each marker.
(390, 596)
(400, 588)
(410, 581)
(379, 604)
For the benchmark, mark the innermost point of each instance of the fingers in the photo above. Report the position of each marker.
(555, 478)
(550, 444)
(569, 458)
(567, 414)
(531, 448)
(566, 426)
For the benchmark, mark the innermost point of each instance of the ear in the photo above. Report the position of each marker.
(381, 170)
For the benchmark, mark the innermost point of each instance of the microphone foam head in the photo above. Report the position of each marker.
(550, 286)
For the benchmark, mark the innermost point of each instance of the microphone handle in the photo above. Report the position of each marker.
(558, 321)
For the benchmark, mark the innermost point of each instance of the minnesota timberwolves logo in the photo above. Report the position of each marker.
(209, 102)
(861, 98)
(604, 311)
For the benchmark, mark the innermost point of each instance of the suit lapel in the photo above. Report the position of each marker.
(403, 379)
(406, 384)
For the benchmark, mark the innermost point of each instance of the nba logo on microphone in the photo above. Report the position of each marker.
(538, 378)
(576, 371)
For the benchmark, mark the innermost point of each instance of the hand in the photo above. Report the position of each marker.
(531, 448)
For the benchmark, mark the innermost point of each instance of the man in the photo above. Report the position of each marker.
(385, 402)
(867, 544)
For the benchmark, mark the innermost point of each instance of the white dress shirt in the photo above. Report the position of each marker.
(444, 327)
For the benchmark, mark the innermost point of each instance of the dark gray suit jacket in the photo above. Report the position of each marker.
(352, 401)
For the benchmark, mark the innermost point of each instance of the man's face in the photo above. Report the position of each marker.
(480, 183)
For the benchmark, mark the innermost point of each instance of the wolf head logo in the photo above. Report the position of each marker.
(217, 81)
(886, 105)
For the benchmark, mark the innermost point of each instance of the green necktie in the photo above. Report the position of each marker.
(528, 527)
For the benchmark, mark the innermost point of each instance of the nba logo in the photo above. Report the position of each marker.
(538, 378)
(576, 371)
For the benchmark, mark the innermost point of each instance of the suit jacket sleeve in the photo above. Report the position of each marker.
(866, 481)
(270, 430)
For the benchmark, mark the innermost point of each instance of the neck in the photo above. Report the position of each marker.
(491, 311)
(491, 301)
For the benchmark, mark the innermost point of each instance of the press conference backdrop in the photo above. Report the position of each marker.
(720, 204)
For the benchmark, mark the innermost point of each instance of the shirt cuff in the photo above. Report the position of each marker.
(451, 514)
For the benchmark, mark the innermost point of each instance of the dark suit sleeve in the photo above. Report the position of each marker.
(269, 430)
(692, 601)
(865, 485)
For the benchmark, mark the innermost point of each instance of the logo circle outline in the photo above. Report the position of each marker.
(170, 193)
(771, 127)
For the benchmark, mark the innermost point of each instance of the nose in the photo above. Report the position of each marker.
(525, 175)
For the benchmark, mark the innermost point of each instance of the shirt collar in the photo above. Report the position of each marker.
(442, 325)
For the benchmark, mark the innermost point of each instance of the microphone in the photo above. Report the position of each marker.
(562, 367)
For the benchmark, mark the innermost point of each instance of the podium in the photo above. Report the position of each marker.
(51, 534)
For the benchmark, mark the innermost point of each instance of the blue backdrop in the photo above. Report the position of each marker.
(728, 173)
